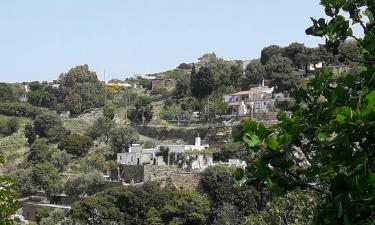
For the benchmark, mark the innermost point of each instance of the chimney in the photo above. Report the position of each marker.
(198, 141)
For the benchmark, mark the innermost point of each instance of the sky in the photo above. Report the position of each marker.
(41, 39)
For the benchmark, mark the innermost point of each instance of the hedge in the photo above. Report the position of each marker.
(20, 109)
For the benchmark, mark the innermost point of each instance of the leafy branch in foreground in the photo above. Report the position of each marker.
(7, 199)
(328, 143)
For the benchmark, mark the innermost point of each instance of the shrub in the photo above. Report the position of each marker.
(20, 109)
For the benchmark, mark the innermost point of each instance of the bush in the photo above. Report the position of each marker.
(20, 109)
(8, 126)
(76, 144)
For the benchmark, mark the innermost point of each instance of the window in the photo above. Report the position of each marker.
(137, 161)
(120, 158)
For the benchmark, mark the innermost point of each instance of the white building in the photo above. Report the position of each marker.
(257, 99)
(185, 156)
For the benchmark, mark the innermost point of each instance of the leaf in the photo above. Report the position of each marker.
(340, 95)
(340, 211)
(344, 114)
(251, 139)
(275, 188)
(368, 111)
(273, 143)
(239, 174)
(249, 125)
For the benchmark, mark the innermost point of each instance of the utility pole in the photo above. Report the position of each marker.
(105, 91)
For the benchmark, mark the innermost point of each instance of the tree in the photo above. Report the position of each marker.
(350, 48)
(202, 83)
(40, 151)
(109, 112)
(143, 110)
(182, 88)
(77, 145)
(7, 199)
(80, 89)
(268, 52)
(294, 52)
(46, 177)
(7, 93)
(185, 66)
(82, 183)
(60, 159)
(101, 129)
(23, 181)
(236, 72)
(327, 145)
(8, 126)
(278, 64)
(73, 103)
(122, 138)
(30, 133)
(153, 217)
(297, 207)
(286, 82)
(221, 188)
(49, 125)
(255, 72)
(230, 150)
(187, 208)
(227, 214)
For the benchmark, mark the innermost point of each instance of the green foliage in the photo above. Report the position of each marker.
(122, 138)
(231, 150)
(60, 159)
(254, 73)
(153, 217)
(46, 177)
(268, 52)
(23, 181)
(295, 208)
(77, 145)
(101, 129)
(327, 145)
(186, 207)
(7, 199)
(278, 64)
(80, 90)
(40, 151)
(49, 125)
(84, 183)
(286, 82)
(8, 126)
(220, 185)
(182, 88)
(202, 82)
(143, 110)
(109, 111)
(30, 133)
(42, 213)
(147, 204)
(20, 109)
(149, 144)
(8, 93)
(56, 216)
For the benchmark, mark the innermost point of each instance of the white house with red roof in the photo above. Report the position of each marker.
(257, 99)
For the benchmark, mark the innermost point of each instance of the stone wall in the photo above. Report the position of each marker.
(152, 172)
(185, 181)
(164, 133)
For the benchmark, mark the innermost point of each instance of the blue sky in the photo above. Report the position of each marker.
(40, 39)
